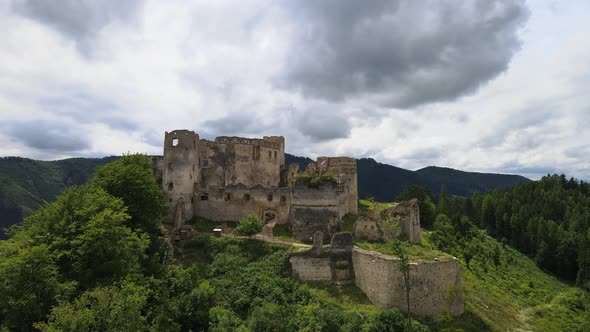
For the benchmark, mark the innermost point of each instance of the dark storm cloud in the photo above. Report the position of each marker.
(76, 19)
(48, 136)
(240, 122)
(322, 125)
(400, 53)
(84, 107)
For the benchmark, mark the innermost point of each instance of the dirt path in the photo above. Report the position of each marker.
(264, 238)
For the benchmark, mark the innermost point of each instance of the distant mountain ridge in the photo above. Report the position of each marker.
(384, 182)
(25, 183)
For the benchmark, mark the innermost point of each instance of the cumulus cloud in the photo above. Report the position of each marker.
(76, 19)
(84, 107)
(400, 53)
(48, 136)
(411, 83)
(322, 124)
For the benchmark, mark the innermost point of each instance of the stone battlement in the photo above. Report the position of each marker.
(247, 141)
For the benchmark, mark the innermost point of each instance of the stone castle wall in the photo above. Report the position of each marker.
(378, 277)
(314, 209)
(345, 172)
(235, 160)
(324, 264)
(237, 201)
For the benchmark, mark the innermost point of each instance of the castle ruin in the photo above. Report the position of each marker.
(232, 177)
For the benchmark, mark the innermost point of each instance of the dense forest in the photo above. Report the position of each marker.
(547, 220)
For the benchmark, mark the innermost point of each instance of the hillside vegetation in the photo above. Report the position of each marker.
(95, 260)
(503, 289)
(25, 184)
(92, 261)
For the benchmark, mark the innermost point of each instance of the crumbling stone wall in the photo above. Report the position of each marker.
(314, 209)
(379, 278)
(407, 215)
(324, 264)
(238, 160)
(234, 202)
(345, 172)
(368, 229)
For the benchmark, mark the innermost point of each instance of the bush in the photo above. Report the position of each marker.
(315, 181)
(249, 226)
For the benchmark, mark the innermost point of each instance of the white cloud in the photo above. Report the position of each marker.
(124, 76)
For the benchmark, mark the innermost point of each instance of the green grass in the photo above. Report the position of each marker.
(422, 251)
(516, 295)
(281, 231)
(365, 205)
(349, 296)
(203, 225)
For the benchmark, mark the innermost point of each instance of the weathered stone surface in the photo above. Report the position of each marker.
(232, 177)
(341, 241)
(407, 214)
(379, 278)
(324, 264)
(368, 229)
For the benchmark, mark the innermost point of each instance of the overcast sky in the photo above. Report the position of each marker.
(490, 86)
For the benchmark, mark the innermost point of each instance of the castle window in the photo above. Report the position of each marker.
(247, 197)
(269, 197)
(170, 186)
(170, 166)
(192, 199)
(256, 153)
(227, 196)
(154, 163)
(275, 155)
(283, 200)
(174, 141)
(269, 155)
(204, 196)
(205, 163)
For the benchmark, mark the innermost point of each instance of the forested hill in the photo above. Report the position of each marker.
(462, 183)
(384, 182)
(25, 183)
(548, 220)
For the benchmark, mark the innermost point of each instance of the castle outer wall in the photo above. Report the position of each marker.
(379, 278)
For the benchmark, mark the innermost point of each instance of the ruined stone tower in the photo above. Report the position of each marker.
(180, 172)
